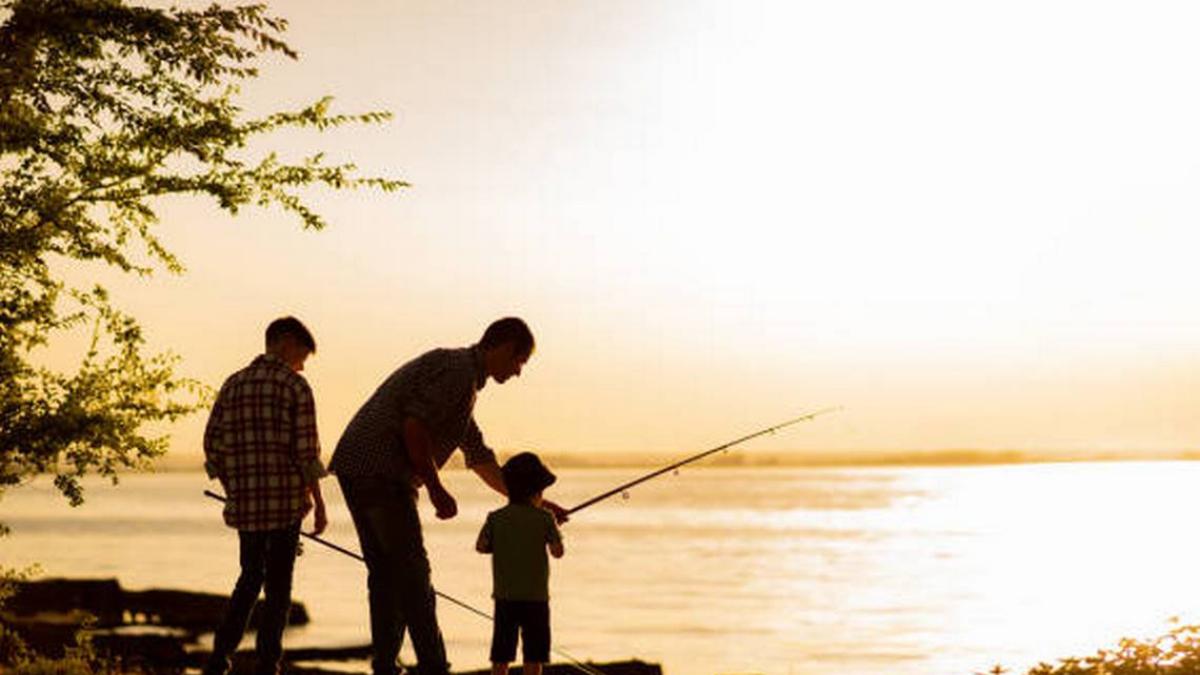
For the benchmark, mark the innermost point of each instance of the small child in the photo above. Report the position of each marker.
(517, 536)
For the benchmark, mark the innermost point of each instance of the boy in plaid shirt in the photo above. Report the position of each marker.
(261, 443)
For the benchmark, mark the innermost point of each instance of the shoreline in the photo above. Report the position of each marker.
(158, 630)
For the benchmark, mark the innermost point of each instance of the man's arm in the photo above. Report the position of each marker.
(490, 473)
(481, 459)
(557, 550)
(420, 457)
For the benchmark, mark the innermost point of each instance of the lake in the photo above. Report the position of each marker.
(727, 570)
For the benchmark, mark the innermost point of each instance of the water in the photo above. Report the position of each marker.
(748, 570)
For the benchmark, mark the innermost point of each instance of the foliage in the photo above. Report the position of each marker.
(1175, 653)
(80, 659)
(68, 665)
(12, 648)
(104, 108)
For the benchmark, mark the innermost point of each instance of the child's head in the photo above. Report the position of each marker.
(525, 477)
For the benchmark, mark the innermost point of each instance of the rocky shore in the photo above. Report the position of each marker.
(157, 630)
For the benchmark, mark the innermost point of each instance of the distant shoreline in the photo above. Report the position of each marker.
(800, 459)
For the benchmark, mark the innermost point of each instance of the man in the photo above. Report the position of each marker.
(261, 443)
(396, 443)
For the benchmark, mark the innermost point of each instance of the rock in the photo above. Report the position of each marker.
(197, 612)
(632, 667)
(113, 606)
(147, 653)
(135, 627)
(243, 664)
(103, 598)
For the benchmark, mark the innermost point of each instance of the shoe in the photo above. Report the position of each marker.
(216, 666)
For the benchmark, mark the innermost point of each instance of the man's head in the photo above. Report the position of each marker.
(288, 339)
(507, 344)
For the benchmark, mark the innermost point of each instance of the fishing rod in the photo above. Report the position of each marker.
(579, 665)
(654, 474)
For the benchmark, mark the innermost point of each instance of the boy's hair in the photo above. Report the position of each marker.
(525, 476)
(509, 329)
(290, 326)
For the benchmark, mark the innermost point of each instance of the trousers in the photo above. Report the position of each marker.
(267, 559)
(399, 591)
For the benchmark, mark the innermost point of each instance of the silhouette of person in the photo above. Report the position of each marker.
(395, 444)
(517, 536)
(261, 443)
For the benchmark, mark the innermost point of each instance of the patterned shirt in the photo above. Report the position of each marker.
(261, 443)
(438, 388)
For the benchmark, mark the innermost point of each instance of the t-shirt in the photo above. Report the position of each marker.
(517, 536)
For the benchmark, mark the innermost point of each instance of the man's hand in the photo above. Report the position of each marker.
(560, 514)
(420, 457)
(319, 519)
(443, 502)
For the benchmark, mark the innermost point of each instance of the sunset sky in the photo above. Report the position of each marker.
(973, 225)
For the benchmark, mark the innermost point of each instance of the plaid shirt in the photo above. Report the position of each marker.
(261, 443)
(438, 388)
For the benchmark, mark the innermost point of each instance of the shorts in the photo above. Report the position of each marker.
(532, 619)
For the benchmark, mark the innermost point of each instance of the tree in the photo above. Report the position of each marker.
(105, 107)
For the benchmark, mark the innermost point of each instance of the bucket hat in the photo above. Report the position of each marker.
(526, 475)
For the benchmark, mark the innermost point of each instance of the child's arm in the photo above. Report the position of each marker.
(554, 540)
(484, 543)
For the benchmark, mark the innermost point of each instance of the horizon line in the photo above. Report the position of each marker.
(799, 459)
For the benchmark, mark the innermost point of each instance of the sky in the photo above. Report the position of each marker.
(972, 225)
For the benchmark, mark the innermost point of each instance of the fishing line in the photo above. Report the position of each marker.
(579, 665)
